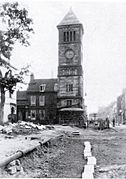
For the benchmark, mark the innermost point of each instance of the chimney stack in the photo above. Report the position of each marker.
(32, 77)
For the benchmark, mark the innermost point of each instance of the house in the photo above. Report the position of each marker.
(8, 100)
(39, 102)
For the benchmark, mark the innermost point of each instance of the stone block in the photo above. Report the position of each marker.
(12, 170)
(91, 160)
(87, 154)
(87, 175)
(89, 168)
(87, 149)
(86, 143)
(18, 162)
(13, 163)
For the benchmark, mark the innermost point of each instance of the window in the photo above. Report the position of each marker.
(41, 100)
(42, 87)
(42, 114)
(63, 72)
(33, 100)
(64, 37)
(69, 87)
(69, 102)
(74, 35)
(69, 36)
(33, 114)
(55, 87)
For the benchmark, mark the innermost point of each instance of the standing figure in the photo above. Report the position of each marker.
(107, 123)
(113, 122)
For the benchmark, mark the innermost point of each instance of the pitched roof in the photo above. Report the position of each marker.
(69, 19)
(21, 95)
(35, 84)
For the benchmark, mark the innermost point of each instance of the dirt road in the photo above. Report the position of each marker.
(64, 157)
(109, 148)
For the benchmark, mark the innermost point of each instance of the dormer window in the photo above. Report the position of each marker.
(55, 87)
(42, 87)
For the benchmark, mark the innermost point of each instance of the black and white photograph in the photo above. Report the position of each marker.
(63, 89)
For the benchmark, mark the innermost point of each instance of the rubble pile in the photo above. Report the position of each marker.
(21, 128)
(14, 167)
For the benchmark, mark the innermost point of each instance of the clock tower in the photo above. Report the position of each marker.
(70, 72)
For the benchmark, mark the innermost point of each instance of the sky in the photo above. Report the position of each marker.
(104, 45)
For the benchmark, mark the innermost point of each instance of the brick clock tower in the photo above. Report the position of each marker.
(70, 72)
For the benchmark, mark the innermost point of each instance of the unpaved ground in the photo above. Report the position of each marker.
(62, 158)
(109, 148)
(9, 146)
(65, 157)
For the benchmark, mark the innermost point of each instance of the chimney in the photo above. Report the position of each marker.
(32, 77)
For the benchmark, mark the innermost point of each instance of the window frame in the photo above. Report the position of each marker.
(69, 102)
(31, 112)
(42, 102)
(33, 100)
(69, 36)
(69, 87)
(42, 87)
(42, 114)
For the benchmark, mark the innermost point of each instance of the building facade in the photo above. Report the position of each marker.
(10, 100)
(39, 103)
(66, 102)
(121, 108)
(70, 71)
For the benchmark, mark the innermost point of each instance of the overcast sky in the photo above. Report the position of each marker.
(104, 45)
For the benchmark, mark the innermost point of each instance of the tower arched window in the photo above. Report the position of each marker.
(67, 36)
(64, 36)
(74, 35)
(70, 35)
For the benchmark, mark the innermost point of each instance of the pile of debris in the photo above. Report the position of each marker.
(21, 128)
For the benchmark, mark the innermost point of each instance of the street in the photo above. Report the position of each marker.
(64, 157)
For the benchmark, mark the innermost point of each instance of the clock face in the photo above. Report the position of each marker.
(69, 54)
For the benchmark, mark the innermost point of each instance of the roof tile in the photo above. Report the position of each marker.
(69, 19)
(36, 83)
